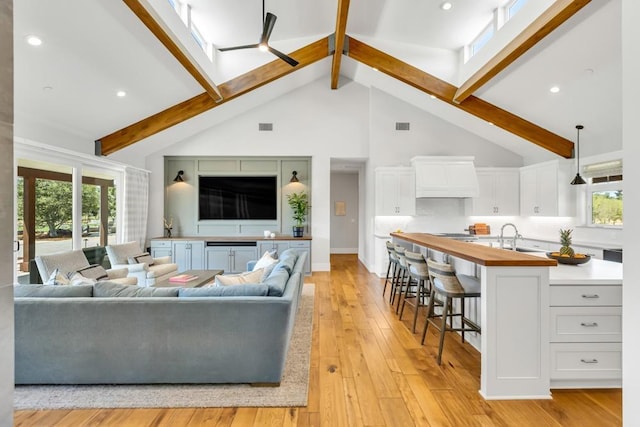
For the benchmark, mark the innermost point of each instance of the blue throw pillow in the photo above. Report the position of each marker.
(277, 281)
(106, 289)
(47, 291)
(247, 290)
(287, 261)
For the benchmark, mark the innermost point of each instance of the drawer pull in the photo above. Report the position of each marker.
(589, 361)
(590, 296)
(589, 324)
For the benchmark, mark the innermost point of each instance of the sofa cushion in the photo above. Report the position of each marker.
(108, 289)
(239, 279)
(46, 291)
(287, 260)
(159, 270)
(248, 290)
(277, 281)
(143, 258)
(94, 271)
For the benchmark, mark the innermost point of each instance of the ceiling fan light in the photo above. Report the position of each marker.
(263, 47)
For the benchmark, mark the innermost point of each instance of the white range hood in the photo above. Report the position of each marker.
(445, 176)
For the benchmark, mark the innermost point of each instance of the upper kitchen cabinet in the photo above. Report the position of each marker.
(395, 191)
(499, 193)
(545, 189)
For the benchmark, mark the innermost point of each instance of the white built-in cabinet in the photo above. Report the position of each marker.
(395, 191)
(586, 335)
(231, 259)
(545, 189)
(499, 193)
(160, 248)
(189, 255)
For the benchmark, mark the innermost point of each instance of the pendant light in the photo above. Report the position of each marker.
(578, 180)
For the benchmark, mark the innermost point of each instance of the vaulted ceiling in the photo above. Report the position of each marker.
(91, 49)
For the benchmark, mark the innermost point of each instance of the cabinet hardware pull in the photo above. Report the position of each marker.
(590, 296)
(589, 361)
(589, 324)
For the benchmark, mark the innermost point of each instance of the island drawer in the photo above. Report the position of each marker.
(586, 361)
(589, 296)
(161, 243)
(586, 324)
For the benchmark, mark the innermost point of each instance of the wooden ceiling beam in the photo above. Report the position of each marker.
(552, 18)
(341, 28)
(153, 22)
(199, 104)
(425, 82)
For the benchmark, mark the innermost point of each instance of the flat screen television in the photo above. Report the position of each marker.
(238, 197)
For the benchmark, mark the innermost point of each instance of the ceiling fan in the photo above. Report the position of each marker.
(263, 45)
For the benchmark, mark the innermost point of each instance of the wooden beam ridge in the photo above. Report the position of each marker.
(432, 85)
(558, 13)
(341, 28)
(231, 89)
(153, 23)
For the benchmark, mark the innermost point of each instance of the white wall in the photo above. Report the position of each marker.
(7, 173)
(631, 148)
(344, 228)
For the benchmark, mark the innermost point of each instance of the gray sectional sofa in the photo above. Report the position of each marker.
(116, 334)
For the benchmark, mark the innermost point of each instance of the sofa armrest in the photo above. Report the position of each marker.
(133, 268)
(117, 273)
(162, 260)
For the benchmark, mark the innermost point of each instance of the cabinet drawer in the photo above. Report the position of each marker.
(303, 244)
(161, 243)
(586, 296)
(586, 361)
(586, 324)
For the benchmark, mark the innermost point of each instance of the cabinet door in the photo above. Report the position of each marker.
(217, 258)
(528, 192)
(160, 248)
(506, 192)
(406, 193)
(303, 245)
(484, 204)
(240, 256)
(197, 255)
(386, 197)
(547, 190)
(269, 246)
(182, 255)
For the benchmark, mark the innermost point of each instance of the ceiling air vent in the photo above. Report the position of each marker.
(402, 125)
(265, 126)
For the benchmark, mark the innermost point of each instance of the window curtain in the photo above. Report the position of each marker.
(136, 206)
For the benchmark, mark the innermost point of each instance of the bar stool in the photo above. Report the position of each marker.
(446, 284)
(391, 267)
(418, 293)
(401, 274)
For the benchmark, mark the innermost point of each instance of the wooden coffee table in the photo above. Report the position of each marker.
(204, 277)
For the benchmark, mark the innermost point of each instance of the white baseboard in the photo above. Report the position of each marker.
(343, 250)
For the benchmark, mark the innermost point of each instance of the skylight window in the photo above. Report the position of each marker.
(514, 7)
(482, 39)
(184, 12)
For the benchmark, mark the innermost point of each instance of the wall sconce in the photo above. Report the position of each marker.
(578, 180)
(179, 177)
(294, 177)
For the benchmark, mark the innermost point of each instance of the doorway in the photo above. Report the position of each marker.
(345, 207)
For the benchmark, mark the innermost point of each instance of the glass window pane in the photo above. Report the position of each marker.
(515, 8)
(53, 216)
(606, 207)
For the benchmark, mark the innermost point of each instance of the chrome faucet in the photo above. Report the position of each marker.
(516, 236)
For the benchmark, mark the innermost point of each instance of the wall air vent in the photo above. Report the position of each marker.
(402, 125)
(265, 126)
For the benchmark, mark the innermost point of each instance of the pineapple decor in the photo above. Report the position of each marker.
(565, 241)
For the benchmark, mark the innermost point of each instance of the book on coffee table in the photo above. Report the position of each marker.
(183, 278)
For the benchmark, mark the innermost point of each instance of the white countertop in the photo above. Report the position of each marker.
(595, 272)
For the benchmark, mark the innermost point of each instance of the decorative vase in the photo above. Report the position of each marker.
(298, 231)
(168, 232)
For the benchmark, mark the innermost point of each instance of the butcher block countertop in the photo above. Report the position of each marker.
(482, 255)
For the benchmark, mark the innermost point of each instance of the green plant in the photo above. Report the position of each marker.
(299, 202)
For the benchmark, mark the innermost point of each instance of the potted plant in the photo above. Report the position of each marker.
(299, 202)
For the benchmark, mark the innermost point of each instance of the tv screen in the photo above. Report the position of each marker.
(238, 197)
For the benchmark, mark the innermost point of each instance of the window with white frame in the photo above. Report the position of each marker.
(482, 39)
(513, 7)
(604, 194)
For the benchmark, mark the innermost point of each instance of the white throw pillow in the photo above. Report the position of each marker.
(265, 261)
(57, 278)
(76, 279)
(239, 279)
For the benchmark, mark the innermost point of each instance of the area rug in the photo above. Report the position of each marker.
(292, 392)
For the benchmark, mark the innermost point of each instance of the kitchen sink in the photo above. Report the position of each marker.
(527, 250)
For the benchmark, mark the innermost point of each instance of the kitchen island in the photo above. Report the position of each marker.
(544, 325)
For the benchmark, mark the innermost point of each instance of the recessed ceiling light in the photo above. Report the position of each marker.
(446, 5)
(554, 89)
(47, 88)
(34, 40)
(490, 123)
(121, 94)
(433, 97)
(374, 69)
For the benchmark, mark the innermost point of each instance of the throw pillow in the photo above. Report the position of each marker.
(77, 279)
(143, 258)
(94, 271)
(106, 289)
(239, 279)
(266, 260)
(57, 278)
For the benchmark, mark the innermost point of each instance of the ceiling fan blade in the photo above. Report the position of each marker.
(284, 57)
(246, 46)
(269, 23)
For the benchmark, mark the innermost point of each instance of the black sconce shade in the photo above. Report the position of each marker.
(179, 177)
(294, 177)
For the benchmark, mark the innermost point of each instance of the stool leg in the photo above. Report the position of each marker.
(386, 279)
(401, 288)
(419, 292)
(447, 308)
(394, 281)
(462, 326)
(406, 294)
(429, 315)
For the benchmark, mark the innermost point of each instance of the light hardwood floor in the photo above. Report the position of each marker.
(368, 369)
